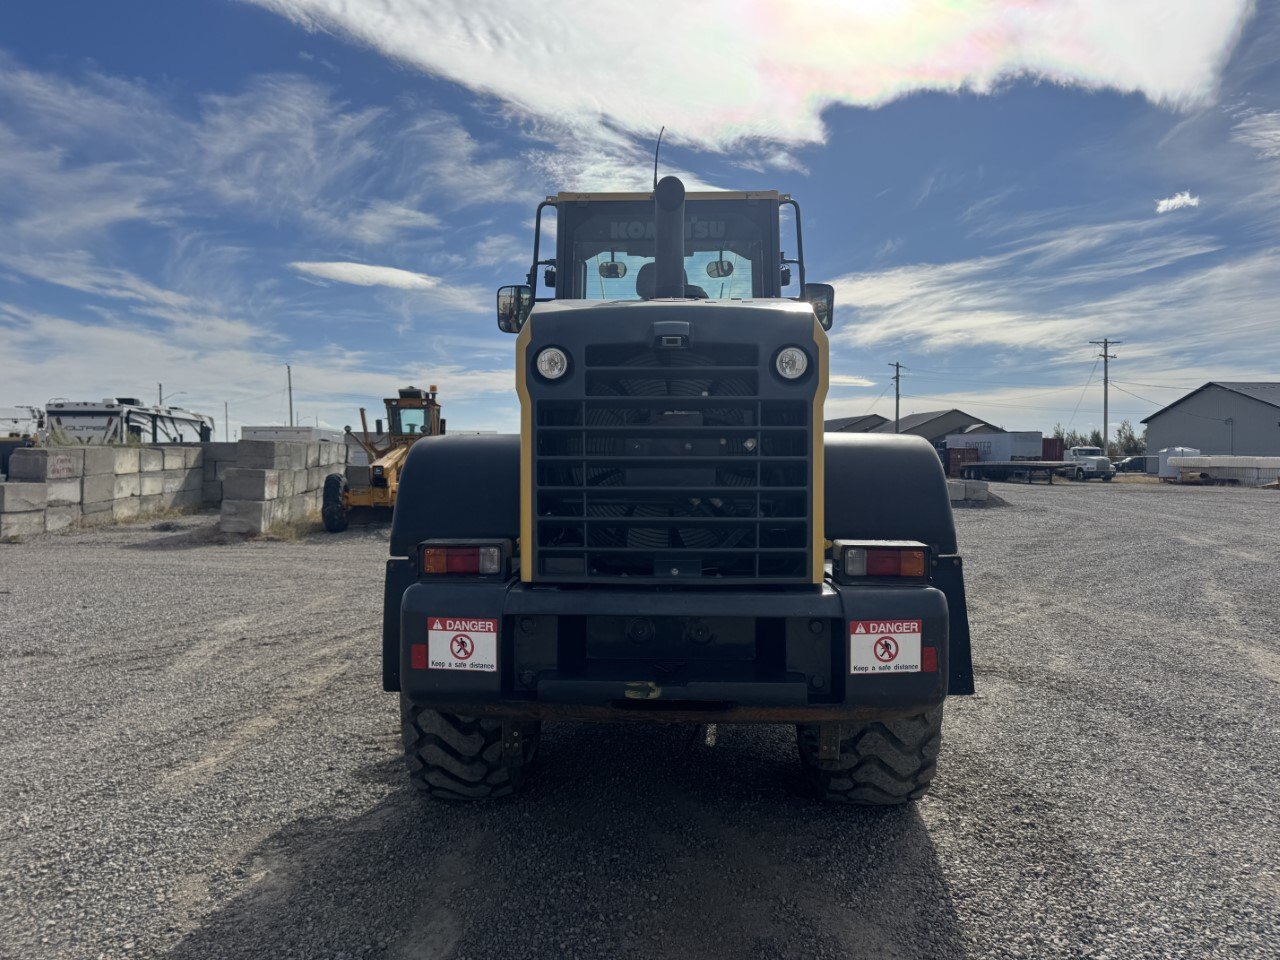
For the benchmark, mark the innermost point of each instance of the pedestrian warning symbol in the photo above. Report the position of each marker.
(462, 643)
(885, 646)
(886, 649)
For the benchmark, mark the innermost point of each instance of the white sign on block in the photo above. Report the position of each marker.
(884, 646)
(462, 643)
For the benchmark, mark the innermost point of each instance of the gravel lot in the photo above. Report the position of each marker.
(199, 762)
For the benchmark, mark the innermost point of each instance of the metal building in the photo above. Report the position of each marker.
(1231, 418)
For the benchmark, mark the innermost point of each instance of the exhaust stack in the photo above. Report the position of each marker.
(668, 215)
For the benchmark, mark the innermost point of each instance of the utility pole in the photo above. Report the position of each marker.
(160, 394)
(1105, 343)
(897, 394)
(288, 370)
(225, 426)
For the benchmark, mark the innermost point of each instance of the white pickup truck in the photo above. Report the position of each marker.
(1088, 463)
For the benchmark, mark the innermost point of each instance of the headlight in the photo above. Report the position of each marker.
(791, 362)
(552, 363)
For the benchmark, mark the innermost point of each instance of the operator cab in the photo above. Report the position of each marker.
(415, 413)
(607, 251)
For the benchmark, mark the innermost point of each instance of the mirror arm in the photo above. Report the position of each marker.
(537, 244)
(799, 261)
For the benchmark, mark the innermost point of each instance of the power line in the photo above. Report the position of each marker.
(1082, 393)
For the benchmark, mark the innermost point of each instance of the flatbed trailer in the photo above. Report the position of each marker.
(1010, 469)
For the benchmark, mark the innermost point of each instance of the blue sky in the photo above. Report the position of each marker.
(199, 193)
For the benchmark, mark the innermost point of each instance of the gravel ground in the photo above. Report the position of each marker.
(199, 763)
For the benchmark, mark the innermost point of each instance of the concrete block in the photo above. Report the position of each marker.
(976, 490)
(219, 451)
(285, 488)
(99, 460)
(241, 483)
(192, 478)
(186, 500)
(150, 505)
(150, 484)
(175, 458)
(126, 508)
(98, 488)
(245, 516)
(173, 480)
(263, 455)
(211, 491)
(62, 493)
(62, 517)
(54, 463)
(150, 459)
(23, 496)
(126, 461)
(313, 455)
(298, 455)
(955, 490)
(21, 524)
(315, 477)
(100, 512)
(192, 457)
(127, 485)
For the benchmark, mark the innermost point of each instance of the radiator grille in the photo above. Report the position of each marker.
(672, 467)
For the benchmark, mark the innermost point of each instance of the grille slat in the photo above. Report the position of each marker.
(672, 467)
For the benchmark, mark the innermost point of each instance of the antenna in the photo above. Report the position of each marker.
(655, 157)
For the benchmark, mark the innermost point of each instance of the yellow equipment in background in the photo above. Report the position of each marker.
(411, 415)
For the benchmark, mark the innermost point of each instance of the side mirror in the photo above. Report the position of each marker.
(514, 304)
(613, 270)
(549, 277)
(822, 297)
(719, 269)
(786, 275)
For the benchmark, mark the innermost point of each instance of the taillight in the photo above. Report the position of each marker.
(872, 558)
(475, 559)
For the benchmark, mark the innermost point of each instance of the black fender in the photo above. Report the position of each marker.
(451, 487)
(887, 487)
(893, 487)
(455, 487)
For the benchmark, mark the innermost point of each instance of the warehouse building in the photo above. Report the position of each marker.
(863, 424)
(1221, 418)
(933, 425)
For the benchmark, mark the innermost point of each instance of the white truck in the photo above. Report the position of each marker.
(1088, 463)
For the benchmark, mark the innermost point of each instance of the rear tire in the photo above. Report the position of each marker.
(881, 763)
(1080, 475)
(1106, 478)
(452, 757)
(332, 510)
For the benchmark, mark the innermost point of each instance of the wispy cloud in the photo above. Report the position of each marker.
(1178, 201)
(770, 75)
(1261, 131)
(368, 275)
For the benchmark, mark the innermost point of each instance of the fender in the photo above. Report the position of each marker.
(451, 487)
(458, 486)
(892, 487)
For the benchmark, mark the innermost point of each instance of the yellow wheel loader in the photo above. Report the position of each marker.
(412, 414)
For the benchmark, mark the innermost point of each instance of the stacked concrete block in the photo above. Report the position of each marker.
(215, 460)
(22, 507)
(968, 493)
(275, 482)
(98, 486)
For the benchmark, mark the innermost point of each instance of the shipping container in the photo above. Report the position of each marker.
(1053, 448)
(999, 447)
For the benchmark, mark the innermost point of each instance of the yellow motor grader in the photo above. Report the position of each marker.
(412, 414)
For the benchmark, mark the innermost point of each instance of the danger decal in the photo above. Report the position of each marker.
(462, 643)
(884, 646)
